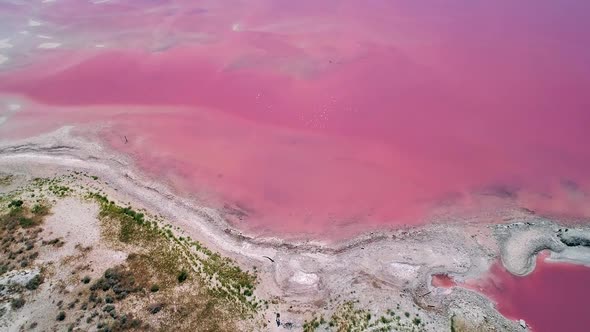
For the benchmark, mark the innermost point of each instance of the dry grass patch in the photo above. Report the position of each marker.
(177, 287)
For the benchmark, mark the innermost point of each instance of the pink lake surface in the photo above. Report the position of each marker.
(321, 117)
(552, 298)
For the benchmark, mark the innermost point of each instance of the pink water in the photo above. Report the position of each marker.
(552, 298)
(443, 281)
(323, 117)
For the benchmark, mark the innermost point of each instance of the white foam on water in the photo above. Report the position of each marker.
(33, 23)
(3, 58)
(4, 43)
(49, 45)
(44, 37)
(14, 107)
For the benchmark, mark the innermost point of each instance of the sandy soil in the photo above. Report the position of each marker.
(380, 270)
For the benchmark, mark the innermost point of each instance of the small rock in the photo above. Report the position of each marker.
(155, 308)
(522, 323)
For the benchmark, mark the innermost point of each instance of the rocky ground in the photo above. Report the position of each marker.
(91, 244)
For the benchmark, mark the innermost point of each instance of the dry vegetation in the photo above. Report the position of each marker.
(166, 282)
(180, 287)
(19, 234)
(348, 318)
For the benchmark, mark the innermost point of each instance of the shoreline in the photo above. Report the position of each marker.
(62, 150)
(304, 272)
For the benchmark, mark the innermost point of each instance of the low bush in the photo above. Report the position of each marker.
(182, 276)
(17, 303)
(34, 283)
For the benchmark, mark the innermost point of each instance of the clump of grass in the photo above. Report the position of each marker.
(40, 210)
(118, 279)
(25, 222)
(313, 324)
(57, 242)
(20, 216)
(348, 318)
(126, 322)
(60, 191)
(17, 303)
(6, 180)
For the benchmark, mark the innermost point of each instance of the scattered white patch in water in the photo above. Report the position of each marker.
(44, 37)
(47, 1)
(99, 45)
(4, 43)
(14, 107)
(236, 27)
(96, 2)
(49, 45)
(23, 32)
(33, 23)
(3, 58)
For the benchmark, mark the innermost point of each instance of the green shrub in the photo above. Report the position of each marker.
(34, 283)
(17, 303)
(182, 276)
(15, 203)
